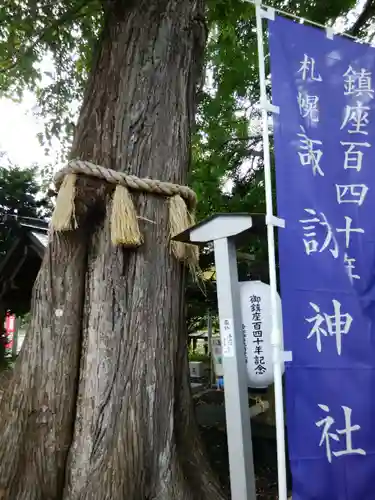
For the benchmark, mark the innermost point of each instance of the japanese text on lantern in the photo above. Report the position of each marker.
(245, 343)
(256, 312)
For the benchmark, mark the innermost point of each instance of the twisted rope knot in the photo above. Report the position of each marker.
(131, 182)
(124, 220)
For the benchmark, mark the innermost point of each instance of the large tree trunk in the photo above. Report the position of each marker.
(38, 407)
(119, 423)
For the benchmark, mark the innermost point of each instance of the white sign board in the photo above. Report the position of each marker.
(227, 337)
(255, 299)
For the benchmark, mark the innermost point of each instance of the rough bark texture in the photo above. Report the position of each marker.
(38, 407)
(129, 400)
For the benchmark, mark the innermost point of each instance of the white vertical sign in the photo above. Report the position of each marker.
(227, 337)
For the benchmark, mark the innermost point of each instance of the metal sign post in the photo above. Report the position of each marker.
(262, 12)
(267, 107)
(223, 230)
(237, 412)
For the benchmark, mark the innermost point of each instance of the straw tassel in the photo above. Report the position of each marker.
(192, 250)
(63, 218)
(124, 223)
(179, 220)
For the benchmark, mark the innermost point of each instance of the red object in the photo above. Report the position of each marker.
(9, 345)
(10, 328)
(10, 323)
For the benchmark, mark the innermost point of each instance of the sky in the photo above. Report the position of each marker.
(19, 128)
(18, 131)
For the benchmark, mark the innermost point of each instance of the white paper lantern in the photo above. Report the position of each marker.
(256, 326)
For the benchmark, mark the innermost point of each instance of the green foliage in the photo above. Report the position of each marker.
(20, 194)
(227, 147)
(25, 320)
(321, 12)
(198, 356)
(227, 143)
(63, 33)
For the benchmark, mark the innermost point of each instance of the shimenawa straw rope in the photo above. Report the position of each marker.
(124, 221)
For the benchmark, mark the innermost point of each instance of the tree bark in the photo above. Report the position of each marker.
(368, 12)
(38, 406)
(129, 399)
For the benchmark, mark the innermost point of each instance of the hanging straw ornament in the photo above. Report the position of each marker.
(124, 222)
(181, 219)
(63, 218)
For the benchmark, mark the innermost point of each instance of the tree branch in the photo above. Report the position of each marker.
(367, 13)
(239, 139)
(40, 35)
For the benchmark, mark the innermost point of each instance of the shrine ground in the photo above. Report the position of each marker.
(210, 414)
(211, 419)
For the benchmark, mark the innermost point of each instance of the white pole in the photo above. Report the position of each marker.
(276, 327)
(209, 332)
(209, 341)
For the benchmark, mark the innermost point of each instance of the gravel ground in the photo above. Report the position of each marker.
(215, 440)
(216, 445)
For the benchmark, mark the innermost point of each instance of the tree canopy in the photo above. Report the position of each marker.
(20, 194)
(49, 47)
(100, 402)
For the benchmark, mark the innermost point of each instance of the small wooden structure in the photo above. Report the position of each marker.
(21, 263)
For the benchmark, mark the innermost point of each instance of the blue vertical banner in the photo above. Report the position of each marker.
(324, 140)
